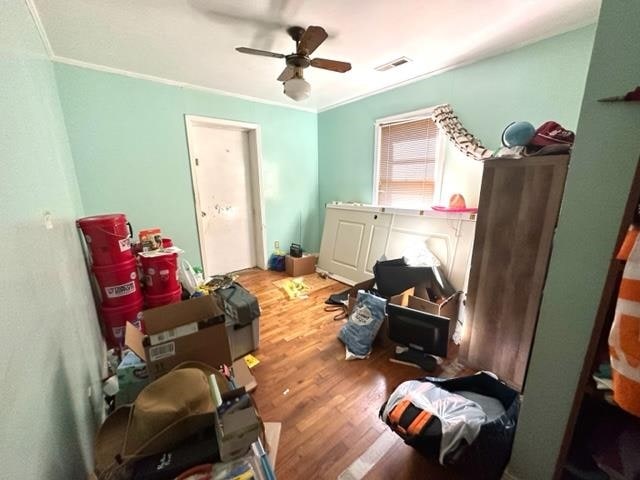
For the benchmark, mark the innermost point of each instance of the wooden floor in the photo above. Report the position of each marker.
(328, 406)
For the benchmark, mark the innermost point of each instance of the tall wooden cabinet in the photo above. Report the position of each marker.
(517, 215)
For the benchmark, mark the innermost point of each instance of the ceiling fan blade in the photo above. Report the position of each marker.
(263, 53)
(287, 74)
(312, 38)
(333, 65)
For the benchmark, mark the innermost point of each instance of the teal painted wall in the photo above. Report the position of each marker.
(51, 347)
(130, 151)
(536, 83)
(604, 160)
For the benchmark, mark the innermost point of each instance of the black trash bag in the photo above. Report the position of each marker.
(395, 276)
(488, 455)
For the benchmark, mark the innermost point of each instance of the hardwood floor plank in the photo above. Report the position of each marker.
(329, 413)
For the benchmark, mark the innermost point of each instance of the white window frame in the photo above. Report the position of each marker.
(440, 151)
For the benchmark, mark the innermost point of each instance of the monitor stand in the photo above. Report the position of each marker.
(416, 358)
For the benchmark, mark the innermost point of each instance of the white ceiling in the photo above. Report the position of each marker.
(193, 41)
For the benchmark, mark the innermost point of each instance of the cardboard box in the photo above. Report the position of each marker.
(132, 378)
(448, 308)
(236, 431)
(297, 267)
(243, 376)
(193, 330)
(416, 299)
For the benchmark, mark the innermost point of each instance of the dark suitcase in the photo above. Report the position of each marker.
(240, 306)
(487, 457)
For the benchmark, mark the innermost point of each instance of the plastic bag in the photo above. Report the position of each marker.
(276, 262)
(419, 255)
(244, 467)
(363, 325)
(187, 277)
(461, 418)
(488, 455)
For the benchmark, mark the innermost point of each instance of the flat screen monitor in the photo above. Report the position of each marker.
(418, 330)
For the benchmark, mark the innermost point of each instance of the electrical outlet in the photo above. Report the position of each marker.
(276, 245)
(48, 220)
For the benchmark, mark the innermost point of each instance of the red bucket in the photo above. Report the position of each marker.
(118, 283)
(160, 273)
(153, 301)
(108, 238)
(115, 320)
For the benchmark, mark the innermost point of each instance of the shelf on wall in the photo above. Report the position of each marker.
(617, 100)
(635, 93)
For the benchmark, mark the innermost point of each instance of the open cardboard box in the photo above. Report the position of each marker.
(193, 330)
(416, 299)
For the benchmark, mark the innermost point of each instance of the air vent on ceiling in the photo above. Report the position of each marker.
(392, 64)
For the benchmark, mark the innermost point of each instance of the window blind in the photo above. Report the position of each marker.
(407, 163)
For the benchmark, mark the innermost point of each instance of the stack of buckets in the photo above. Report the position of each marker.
(160, 277)
(108, 238)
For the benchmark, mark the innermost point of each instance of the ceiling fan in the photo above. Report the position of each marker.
(295, 86)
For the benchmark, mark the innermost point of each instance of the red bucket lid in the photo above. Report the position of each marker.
(156, 254)
(101, 220)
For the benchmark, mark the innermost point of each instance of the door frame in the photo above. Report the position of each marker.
(255, 175)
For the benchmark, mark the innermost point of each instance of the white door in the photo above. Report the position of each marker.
(222, 180)
(352, 242)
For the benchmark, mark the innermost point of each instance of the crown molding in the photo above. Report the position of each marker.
(40, 27)
(173, 83)
(152, 78)
(447, 68)
(33, 10)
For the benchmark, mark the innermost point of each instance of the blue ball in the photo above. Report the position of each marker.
(518, 134)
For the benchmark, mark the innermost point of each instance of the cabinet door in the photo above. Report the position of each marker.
(517, 214)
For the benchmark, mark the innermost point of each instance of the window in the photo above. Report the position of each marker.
(408, 168)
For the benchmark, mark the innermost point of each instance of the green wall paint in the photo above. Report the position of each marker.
(129, 145)
(604, 159)
(51, 347)
(536, 83)
(130, 150)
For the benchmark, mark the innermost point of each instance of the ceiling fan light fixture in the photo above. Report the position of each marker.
(297, 89)
(307, 41)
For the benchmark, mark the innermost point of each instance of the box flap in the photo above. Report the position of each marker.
(240, 423)
(402, 298)
(272, 437)
(133, 338)
(243, 376)
(423, 305)
(163, 318)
